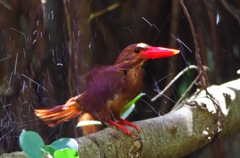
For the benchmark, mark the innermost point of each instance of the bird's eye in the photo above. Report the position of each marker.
(137, 50)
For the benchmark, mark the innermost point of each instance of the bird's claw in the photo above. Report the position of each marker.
(124, 122)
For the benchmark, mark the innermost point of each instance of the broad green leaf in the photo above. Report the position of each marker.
(31, 144)
(65, 143)
(130, 106)
(66, 153)
(48, 149)
(88, 123)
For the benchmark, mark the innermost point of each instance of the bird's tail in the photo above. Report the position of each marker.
(60, 113)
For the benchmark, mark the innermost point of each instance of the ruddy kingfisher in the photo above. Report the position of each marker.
(109, 89)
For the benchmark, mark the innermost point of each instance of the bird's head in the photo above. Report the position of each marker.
(138, 53)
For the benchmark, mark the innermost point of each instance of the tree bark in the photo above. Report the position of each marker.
(196, 123)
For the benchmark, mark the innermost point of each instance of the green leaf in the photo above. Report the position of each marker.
(130, 106)
(127, 112)
(48, 149)
(65, 143)
(88, 123)
(66, 153)
(31, 144)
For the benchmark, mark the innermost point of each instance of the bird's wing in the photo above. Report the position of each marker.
(103, 84)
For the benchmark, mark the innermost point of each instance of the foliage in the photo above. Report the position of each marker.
(130, 106)
(33, 145)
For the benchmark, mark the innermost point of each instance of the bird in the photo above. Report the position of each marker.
(108, 89)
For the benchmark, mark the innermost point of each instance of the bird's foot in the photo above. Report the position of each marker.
(125, 122)
(122, 122)
(124, 129)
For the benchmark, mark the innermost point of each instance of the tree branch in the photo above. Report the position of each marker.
(182, 131)
(175, 134)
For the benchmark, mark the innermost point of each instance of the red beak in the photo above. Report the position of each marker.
(159, 52)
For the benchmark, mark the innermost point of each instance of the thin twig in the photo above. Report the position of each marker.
(204, 82)
(6, 5)
(235, 12)
(177, 105)
(174, 80)
(103, 11)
